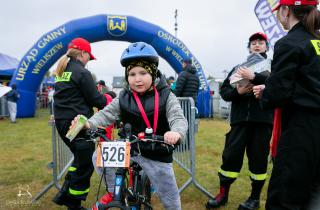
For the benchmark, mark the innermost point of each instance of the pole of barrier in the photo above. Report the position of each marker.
(42, 192)
(54, 155)
(185, 156)
(64, 159)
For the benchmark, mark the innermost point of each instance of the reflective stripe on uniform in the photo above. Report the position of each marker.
(78, 192)
(258, 177)
(229, 174)
(72, 168)
(64, 78)
(316, 45)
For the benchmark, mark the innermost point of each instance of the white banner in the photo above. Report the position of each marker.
(268, 21)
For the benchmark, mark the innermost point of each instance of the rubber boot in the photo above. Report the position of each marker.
(105, 199)
(253, 202)
(73, 204)
(62, 195)
(220, 199)
(250, 204)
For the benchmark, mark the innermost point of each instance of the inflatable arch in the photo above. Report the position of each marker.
(51, 46)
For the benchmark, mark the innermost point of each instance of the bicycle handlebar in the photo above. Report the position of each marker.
(94, 133)
(155, 139)
(99, 132)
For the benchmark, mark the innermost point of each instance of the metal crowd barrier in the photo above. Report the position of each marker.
(62, 158)
(3, 107)
(184, 155)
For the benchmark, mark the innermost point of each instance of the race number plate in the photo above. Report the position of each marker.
(113, 154)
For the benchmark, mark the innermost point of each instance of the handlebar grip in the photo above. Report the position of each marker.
(96, 132)
(157, 137)
(90, 131)
(153, 137)
(101, 131)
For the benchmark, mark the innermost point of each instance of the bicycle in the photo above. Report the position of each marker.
(135, 193)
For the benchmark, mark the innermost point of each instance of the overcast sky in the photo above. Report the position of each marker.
(216, 32)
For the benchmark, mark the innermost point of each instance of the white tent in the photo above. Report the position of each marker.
(8, 65)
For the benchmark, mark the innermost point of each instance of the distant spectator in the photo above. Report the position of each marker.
(50, 99)
(102, 83)
(188, 81)
(171, 83)
(44, 97)
(101, 86)
(12, 98)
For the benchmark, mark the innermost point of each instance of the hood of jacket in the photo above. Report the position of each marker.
(191, 69)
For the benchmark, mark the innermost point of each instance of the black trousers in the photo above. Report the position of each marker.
(295, 179)
(251, 137)
(81, 170)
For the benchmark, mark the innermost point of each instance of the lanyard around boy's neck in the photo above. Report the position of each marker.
(156, 109)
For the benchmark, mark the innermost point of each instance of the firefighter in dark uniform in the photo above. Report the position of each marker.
(251, 129)
(294, 86)
(75, 93)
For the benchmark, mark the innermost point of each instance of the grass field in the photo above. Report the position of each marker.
(26, 152)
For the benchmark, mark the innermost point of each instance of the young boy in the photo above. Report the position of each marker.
(160, 110)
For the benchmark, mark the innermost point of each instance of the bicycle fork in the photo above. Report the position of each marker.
(119, 184)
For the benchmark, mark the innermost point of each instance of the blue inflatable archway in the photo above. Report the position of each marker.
(51, 46)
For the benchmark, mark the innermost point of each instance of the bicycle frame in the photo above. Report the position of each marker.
(129, 195)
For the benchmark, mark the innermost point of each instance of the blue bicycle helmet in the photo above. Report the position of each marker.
(139, 50)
